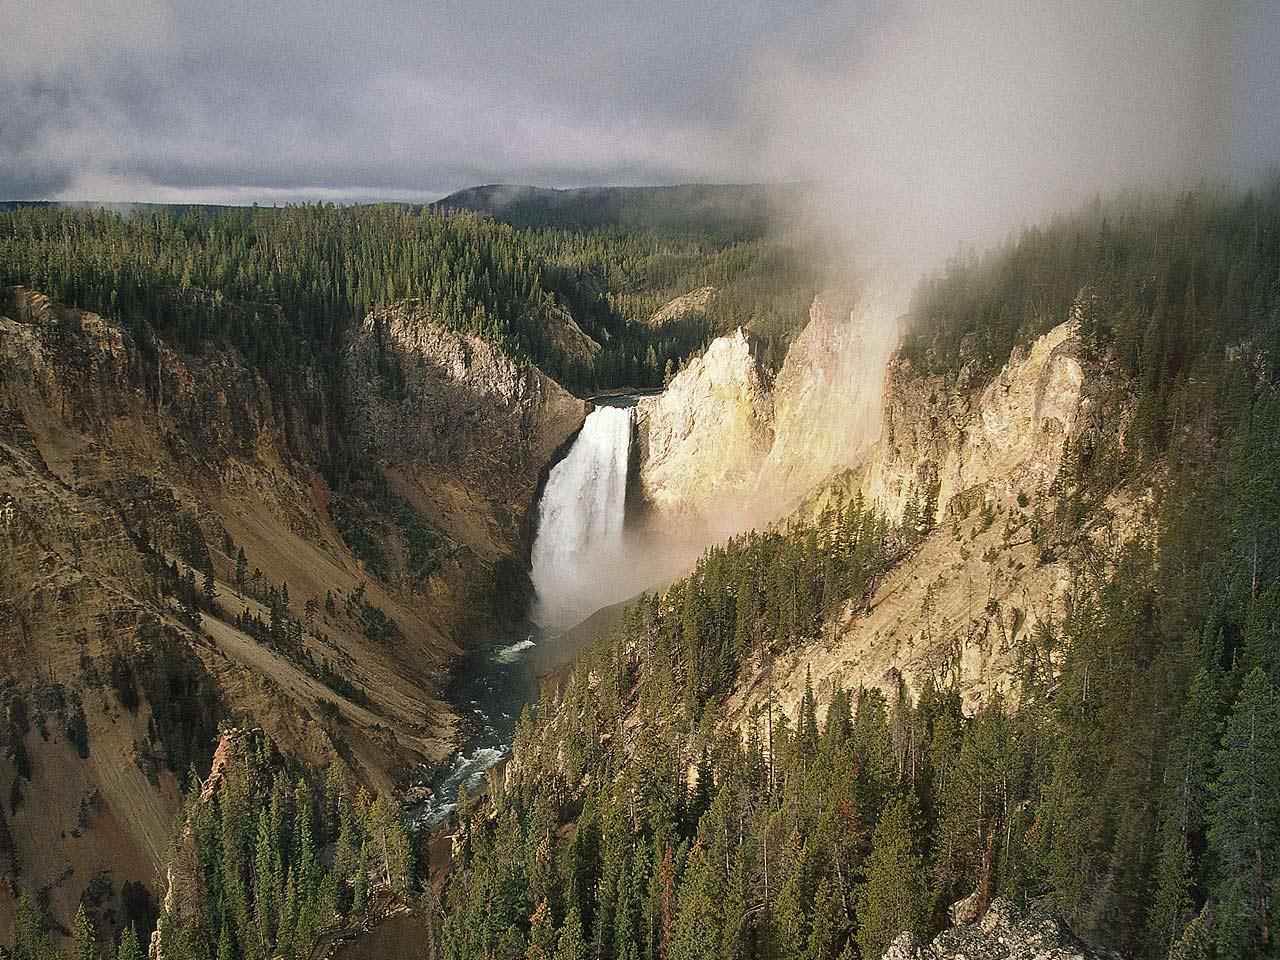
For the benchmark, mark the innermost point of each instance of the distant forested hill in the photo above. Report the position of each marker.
(731, 211)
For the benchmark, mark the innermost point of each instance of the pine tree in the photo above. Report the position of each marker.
(226, 946)
(30, 942)
(807, 730)
(826, 932)
(129, 948)
(541, 934)
(571, 945)
(266, 878)
(1189, 776)
(1244, 833)
(83, 937)
(390, 845)
(894, 896)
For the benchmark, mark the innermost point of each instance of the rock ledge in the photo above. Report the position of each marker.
(1005, 932)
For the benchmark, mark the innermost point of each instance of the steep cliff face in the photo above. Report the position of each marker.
(463, 431)
(725, 436)
(170, 555)
(701, 442)
(975, 465)
(943, 438)
(827, 397)
(569, 338)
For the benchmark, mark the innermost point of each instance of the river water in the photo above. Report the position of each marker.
(578, 566)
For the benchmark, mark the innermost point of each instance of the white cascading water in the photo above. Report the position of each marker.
(579, 565)
(580, 522)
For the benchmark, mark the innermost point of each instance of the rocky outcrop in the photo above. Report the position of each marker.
(943, 439)
(827, 396)
(976, 466)
(690, 305)
(726, 437)
(181, 884)
(565, 334)
(451, 413)
(1005, 932)
(702, 441)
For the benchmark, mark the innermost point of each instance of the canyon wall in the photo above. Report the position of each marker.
(981, 468)
(464, 432)
(728, 441)
(943, 437)
(971, 460)
(702, 441)
(171, 554)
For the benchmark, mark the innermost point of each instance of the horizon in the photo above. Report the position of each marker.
(375, 200)
(941, 123)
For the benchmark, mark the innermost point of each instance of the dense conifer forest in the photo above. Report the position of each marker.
(283, 286)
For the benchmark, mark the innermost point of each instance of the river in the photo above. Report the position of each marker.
(578, 566)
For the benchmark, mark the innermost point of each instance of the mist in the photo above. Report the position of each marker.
(927, 126)
(936, 126)
(932, 128)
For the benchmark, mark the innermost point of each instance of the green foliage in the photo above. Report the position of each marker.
(728, 211)
(83, 939)
(262, 882)
(1244, 837)
(1164, 287)
(894, 896)
(184, 700)
(670, 856)
(283, 286)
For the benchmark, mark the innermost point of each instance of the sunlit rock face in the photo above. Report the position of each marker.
(827, 396)
(461, 400)
(937, 434)
(692, 304)
(727, 439)
(703, 441)
(968, 606)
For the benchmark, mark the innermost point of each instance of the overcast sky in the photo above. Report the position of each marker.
(1002, 105)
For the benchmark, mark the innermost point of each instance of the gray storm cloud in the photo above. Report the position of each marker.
(937, 123)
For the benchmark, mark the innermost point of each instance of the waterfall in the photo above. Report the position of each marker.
(579, 540)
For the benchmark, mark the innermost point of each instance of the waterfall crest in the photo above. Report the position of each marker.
(580, 521)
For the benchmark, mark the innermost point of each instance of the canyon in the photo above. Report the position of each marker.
(510, 471)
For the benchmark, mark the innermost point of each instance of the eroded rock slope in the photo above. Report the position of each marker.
(726, 440)
(171, 555)
(985, 470)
